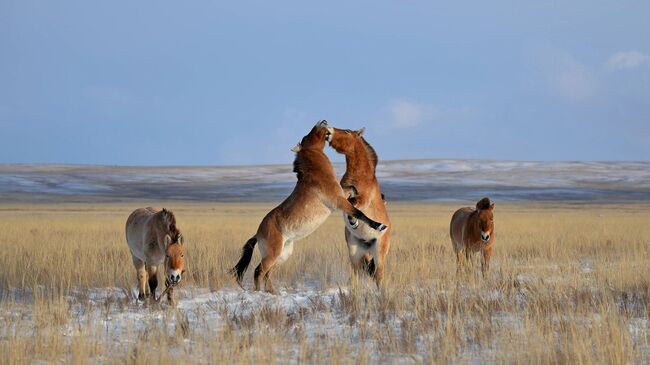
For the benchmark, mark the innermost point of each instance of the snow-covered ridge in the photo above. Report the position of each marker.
(435, 180)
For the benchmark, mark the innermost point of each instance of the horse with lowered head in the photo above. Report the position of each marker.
(154, 240)
(316, 195)
(472, 230)
(367, 248)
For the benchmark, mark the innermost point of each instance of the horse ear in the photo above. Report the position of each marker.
(168, 240)
(180, 239)
(492, 206)
(297, 148)
(361, 131)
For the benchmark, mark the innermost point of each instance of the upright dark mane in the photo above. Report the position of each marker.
(302, 165)
(483, 204)
(298, 167)
(170, 224)
(371, 152)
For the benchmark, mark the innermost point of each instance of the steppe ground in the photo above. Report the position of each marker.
(569, 283)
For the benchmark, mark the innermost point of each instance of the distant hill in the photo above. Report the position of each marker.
(413, 180)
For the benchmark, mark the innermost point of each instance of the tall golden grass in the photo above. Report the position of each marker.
(568, 284)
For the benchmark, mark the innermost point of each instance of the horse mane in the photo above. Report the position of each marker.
(483, 204)
(301, 165)
(371, 152)
(170, 224)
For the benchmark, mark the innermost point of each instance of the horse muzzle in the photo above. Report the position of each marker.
(485, 236)
(174, 277)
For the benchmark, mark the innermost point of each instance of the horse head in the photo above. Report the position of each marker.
(485, 211)
(175, 258)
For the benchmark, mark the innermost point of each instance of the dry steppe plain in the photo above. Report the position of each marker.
(569, 283)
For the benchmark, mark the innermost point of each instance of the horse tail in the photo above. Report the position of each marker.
(245, 259)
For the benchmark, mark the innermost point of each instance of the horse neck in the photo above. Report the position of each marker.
(473, 225)
(309, 161)
(158, 221)
(359, 165)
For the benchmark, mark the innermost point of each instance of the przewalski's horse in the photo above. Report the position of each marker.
(316, 195)
(367, 247)
(472, 230)
(154, 239)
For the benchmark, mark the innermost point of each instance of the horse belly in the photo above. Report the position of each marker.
(304, 225)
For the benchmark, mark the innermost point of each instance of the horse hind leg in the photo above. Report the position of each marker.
(379, 259)
(271, 250)
(263, 271)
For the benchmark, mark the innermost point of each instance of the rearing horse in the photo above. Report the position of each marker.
(316, 195)
(367, 248)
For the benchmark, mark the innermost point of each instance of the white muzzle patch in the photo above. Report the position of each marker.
(175, 276)
(485, 236)
(330, 134)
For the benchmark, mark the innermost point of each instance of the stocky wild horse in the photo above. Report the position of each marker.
(472, 230)
(154, 240)
(367, 248)
(316, 195)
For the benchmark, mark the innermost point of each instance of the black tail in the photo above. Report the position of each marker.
(245, 259)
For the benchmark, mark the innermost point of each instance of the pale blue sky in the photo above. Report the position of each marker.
(213, 83)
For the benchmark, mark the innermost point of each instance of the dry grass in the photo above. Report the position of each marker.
(568, 284)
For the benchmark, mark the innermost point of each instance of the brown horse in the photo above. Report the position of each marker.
(367, 248)
(316, 195)
(472, 230)
(154, 239)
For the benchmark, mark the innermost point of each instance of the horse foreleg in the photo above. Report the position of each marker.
(169, 288)
(142, 277)
(347, 207)
(485, 263)
(152, 271)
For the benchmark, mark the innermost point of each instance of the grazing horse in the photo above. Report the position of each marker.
(472, 230)
(316, 195)
(154, 239)
(367, 247)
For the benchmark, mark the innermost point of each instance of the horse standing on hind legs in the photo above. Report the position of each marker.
(367, 248)
(316, 195)
(154, 240)
(472, 230)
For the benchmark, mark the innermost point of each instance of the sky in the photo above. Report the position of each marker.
(240, 82)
